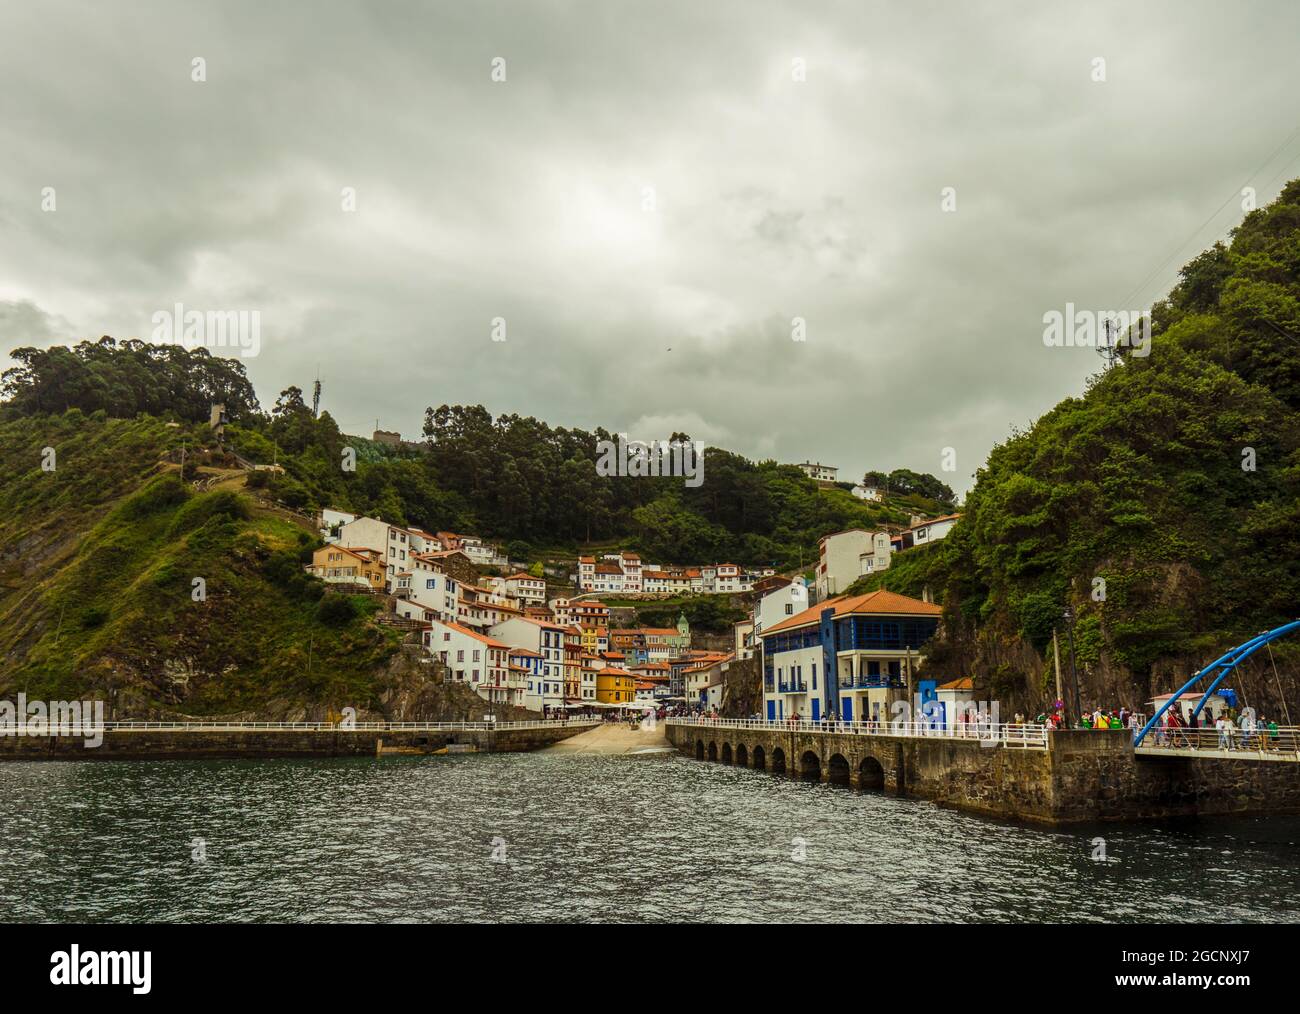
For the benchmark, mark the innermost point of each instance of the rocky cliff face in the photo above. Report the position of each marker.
(415, 689)
(742, 692)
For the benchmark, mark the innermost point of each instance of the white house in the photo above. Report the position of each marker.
(704, 680)
(953, 697)
(426, 585)
(545, 690)
(482, 608)
(839, 560)
(1214, 705)
(933, 531)
(743, 632)
(779, 605)
(331, 519)
(478, 660)
(877, 558)
(871, 493)
(395, 543)
(818, 471)
(526, 588)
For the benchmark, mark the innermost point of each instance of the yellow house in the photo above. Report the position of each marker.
(595, 639)
(615, 686)
(341, 565)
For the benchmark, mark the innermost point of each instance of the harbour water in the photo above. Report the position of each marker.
(555, 837)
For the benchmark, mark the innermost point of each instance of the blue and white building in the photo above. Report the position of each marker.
(849, 657)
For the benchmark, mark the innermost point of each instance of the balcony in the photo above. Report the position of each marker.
(793, 687)
(881, 681)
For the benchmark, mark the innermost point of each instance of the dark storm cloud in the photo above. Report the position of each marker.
(645, 178)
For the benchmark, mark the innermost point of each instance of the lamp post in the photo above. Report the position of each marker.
(1068, 616)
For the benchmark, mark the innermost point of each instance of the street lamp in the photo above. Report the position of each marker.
(1068, 616)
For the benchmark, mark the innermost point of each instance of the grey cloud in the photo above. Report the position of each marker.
(773, 199)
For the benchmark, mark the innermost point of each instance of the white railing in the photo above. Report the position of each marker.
(550, 723)
(1023, 736)
(1284, 741)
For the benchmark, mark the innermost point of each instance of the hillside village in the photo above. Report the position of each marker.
(502, 631)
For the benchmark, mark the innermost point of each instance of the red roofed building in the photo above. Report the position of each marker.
(482, 662)
(871, 644)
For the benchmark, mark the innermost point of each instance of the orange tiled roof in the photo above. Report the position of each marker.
(490, 642)
(880, 602)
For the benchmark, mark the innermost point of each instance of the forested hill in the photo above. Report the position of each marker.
(1163, 505)
(124, 580)
(511, 478)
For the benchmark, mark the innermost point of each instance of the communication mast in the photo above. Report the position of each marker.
(315, 396)
(1108, 347)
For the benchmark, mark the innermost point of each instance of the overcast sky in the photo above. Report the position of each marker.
(649, 198)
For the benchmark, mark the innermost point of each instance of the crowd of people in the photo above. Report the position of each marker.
(1244, 729)
(1236, 729)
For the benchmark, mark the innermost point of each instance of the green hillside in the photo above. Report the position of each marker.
(98, 594)
(1163, 505)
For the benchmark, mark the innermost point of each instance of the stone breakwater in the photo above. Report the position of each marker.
(1082, 776)
(191, 744)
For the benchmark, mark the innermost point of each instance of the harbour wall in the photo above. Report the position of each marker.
(1083, 775)
(189, 744)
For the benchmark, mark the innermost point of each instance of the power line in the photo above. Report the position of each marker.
(1142, 285)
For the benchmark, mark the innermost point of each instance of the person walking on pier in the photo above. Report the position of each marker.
(1247, 725)
(1225, 733)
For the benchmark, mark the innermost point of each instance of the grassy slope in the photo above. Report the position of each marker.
(112, 609)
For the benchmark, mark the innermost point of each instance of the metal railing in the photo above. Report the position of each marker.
(870, 682)
(1022, 736)
(130, 726)
(1284, 741)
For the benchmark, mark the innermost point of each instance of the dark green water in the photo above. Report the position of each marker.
(608, 838)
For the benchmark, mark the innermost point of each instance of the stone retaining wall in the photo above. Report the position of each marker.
(157, 744)
(1083, 776)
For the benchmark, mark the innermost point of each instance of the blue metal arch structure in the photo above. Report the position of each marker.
(1219, 669)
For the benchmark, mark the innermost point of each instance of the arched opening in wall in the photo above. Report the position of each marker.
(713, 750)
(742, 755)
(871, 776)
(760, 759)
(699, 749)
(837, 770)
(810, 767)
(778, 761)
(726, 753)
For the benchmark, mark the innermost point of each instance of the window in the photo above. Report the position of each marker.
(460, 655)
(789, 609)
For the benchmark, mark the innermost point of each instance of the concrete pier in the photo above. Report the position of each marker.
(1080, 776)
(155, 741)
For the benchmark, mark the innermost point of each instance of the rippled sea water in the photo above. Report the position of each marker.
(586, 838)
